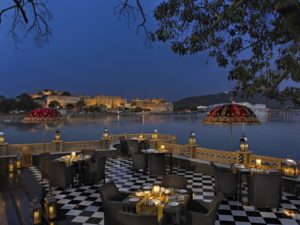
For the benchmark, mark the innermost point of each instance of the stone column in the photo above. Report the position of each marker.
(57, 142)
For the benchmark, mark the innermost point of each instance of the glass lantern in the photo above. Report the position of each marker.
(11, 166)
(57, 136)
(290, 168)
(50, 206)
(244, 144)
(36, 211)
(105, 134)
(155, 134)
(192, 138)
(2, 137)
(18, 161)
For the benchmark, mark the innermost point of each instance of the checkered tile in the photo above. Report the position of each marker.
(82, 205)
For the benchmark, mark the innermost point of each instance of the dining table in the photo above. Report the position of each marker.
(168, 201)
(76, 161)
(155, 151)
(243, 170)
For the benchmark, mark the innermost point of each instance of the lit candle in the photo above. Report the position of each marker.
(73, 155)
(258, 162)
(156, 190)
(36, 217)
(51, 212)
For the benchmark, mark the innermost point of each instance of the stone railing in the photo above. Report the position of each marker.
(61, 146)
(219, 156)
(267, 161)
(163, 141)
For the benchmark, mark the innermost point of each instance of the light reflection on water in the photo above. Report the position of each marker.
(277, 135)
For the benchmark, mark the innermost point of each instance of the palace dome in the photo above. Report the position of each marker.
(42, 114)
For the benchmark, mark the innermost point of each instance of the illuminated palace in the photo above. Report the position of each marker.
(153, 105)
(108, 101)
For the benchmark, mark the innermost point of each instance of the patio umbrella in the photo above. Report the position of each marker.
(231, 114)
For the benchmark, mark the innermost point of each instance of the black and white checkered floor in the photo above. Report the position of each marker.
(83, 205)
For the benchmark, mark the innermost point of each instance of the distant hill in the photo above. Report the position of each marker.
(225, 97)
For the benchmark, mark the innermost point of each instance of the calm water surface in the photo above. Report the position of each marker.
(278, 135)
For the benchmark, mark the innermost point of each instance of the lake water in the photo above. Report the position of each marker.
(278, 135)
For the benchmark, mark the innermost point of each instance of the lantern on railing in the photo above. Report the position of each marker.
(105, 134)
(2, 137)
(36, 211)
(141, 137)
(11, 166)
(50, 206)
(57, 136)
(192, 138)
(244, 144)
(18, 161)
(290, 168)
(155, 134)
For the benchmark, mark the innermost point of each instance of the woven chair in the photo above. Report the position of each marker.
(112, 202)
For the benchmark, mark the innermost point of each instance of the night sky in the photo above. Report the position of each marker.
(94, 52)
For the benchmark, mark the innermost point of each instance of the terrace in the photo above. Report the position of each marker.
(82, 204)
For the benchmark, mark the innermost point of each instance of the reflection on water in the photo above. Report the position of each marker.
(278, 135)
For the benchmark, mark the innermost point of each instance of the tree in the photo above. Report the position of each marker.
(80, 104)
(8, 105)
(32, 16)
(69, 106)
(26, 103)
(258, 41)
(66, 93)
(54, 104)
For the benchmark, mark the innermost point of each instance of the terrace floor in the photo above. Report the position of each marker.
(82, 205)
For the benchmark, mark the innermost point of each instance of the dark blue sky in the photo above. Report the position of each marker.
(93, 52)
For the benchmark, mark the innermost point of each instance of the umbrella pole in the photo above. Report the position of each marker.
(231, 147)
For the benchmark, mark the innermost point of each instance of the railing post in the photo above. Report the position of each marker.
(190, 150)
(57, 142)
(3, 144)
(154, 139)
(244, 153)
(105, 140)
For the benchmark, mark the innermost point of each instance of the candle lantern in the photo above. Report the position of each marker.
(156, 190)
(258, 163)
(73, 155)
(290, 168)
(18, 161)
(141, 137)
(105, 134)
(50, 206)
(155, 134)
(192, 138)
(57, 136)
(244, 144)
(11, 166)
(2, 137)
(162, 148)
(36, 211)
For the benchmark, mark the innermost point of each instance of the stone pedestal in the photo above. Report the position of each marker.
(243, 157)
(105, 143)
(3, 149)
(189, 151)
(153, 144)
(58, 145)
